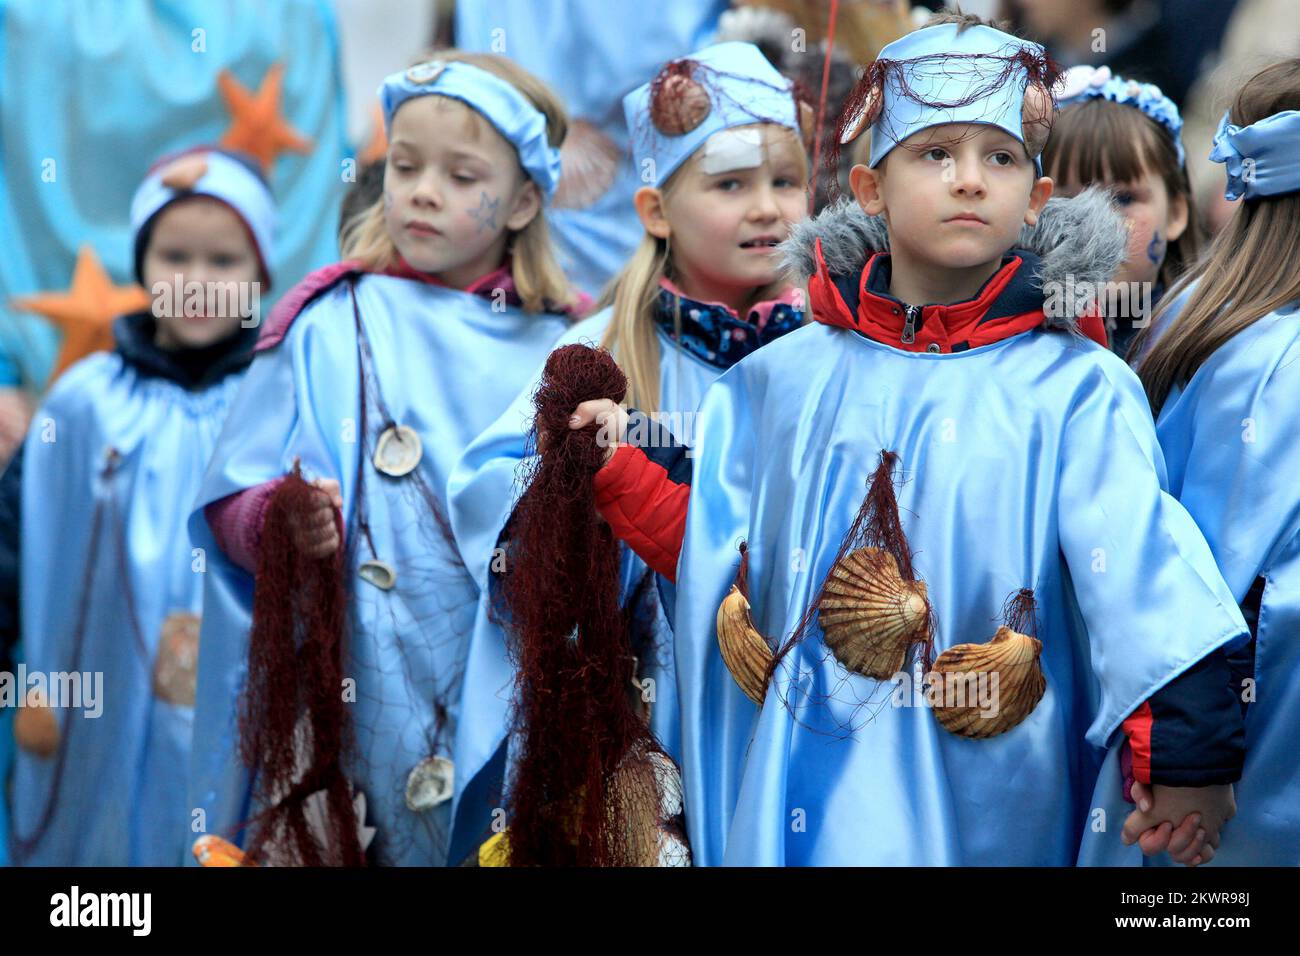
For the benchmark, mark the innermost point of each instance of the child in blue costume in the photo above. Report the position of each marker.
(108, 580)
(1224, 379)
(372, 377)
(936, 456)
(702, 291)
(1126, 136)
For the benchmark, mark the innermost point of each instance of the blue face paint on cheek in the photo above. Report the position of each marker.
(1156, 249)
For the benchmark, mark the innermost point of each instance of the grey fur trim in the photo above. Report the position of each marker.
(1082, 238)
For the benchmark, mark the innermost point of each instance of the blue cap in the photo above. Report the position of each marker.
(942, 64)
(510, 112)
(743, 88)
(224, 177)
(1262, 159)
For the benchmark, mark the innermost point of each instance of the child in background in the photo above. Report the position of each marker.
(1011, 472)
(702, 291)
(107, 581)
(1224, 380)
(1125, 135)
(371, 378)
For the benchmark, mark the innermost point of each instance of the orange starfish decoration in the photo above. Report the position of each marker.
(85, 313)
(377, 148)
(257, 128)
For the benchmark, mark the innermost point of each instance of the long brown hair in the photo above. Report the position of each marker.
(538, 278)
(1254, 263)
(1098, 141)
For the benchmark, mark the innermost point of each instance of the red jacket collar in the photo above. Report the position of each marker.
(1005, 306)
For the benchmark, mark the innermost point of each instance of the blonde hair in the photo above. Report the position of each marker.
(538, 278)
(1251, 269)
(631, 335)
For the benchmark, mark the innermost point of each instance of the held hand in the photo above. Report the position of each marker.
(1198, 812)
(610, 418)
(315, 534)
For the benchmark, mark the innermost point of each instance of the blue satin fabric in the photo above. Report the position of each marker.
(1031, 462)
(484, 489)
(128, 81)
(121, 800)
(446, 363)
(1230, 439)
(593, 242)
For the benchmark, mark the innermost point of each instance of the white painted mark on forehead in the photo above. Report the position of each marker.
(729, 149)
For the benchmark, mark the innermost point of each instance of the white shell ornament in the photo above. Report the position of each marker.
(378, 573)
(430, 783)
(399, 451)
(869, 615)
(426, 72)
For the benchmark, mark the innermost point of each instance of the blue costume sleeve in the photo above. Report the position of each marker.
(1132, 552)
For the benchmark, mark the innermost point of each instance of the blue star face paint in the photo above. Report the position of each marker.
(486, 213)
(1156, 249)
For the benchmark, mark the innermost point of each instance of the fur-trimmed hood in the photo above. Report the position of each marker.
(1083, 238)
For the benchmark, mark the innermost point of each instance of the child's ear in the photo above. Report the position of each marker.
(1039, 193)
(1177, 219)
(865, 183)
(526, 207)
(649, 203)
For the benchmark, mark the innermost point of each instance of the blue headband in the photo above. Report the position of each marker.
(743, 88)
(509, 111)
(225, 178)
(1085, 83)
(941, 64)
(1263, 159)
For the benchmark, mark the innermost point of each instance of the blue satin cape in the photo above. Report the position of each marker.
(121, 797)
(1231, 438)
(484, 490)
(446, 364)
(1030, 462)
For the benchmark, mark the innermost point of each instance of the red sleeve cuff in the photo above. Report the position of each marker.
(644, 507)
(1137, 727)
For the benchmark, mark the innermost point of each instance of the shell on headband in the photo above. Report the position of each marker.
(679, 103)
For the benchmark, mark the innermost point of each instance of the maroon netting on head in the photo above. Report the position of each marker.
(578, 793)
(885, 81)
(294, 725)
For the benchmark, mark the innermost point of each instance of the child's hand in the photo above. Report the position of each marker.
(610, 417)
(1201, 810)
(314, 533)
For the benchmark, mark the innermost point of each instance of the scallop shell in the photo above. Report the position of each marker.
(681, 106)
(1014, 657)
(645, 800)
(861, 121)
(744, 650)
(398, 451)
(869, 615)
(176, 664)
(430, 783)
(215, 851)
(379, 573)
(36, 729)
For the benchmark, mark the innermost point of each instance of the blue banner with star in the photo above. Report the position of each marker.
(92, 93)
